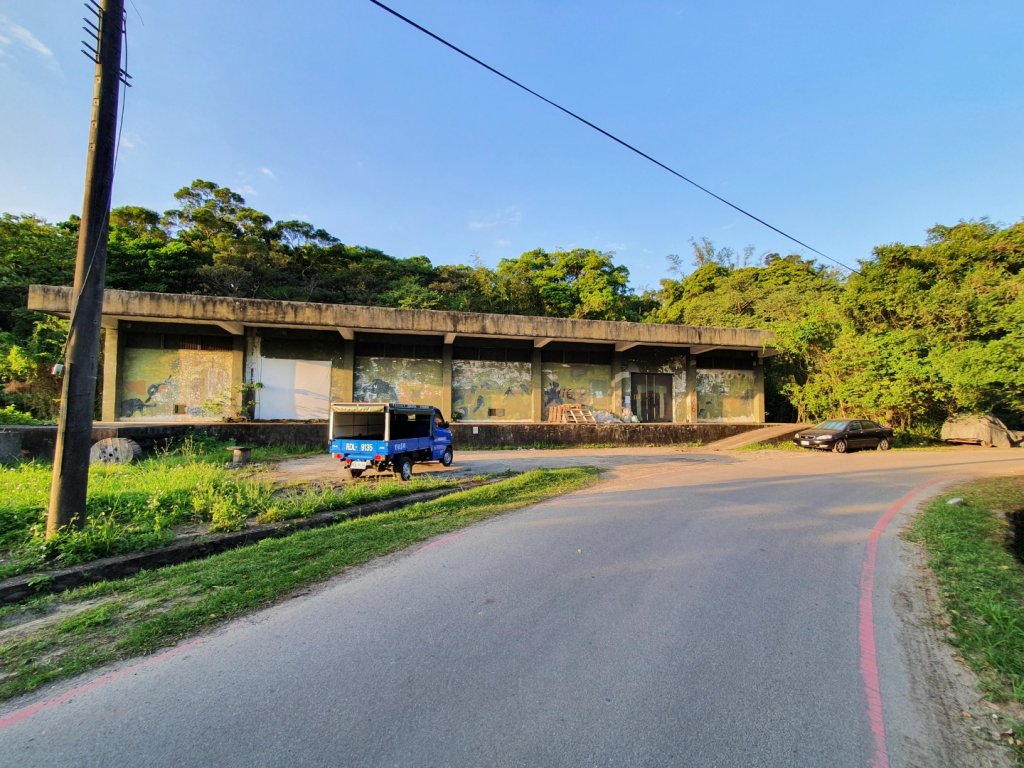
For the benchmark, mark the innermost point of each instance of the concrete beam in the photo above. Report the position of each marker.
(449, 338)
(698, 349)
(622, 346)
(235, 329)
(179, 308)
(347, 334)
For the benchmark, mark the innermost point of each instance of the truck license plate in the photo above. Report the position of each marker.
(359, 465)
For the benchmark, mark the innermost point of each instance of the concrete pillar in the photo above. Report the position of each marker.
(238, 374)
(759, 391)
(446, 380)
(113, 346)
(343, 374)
(692, 401)
(537, 386)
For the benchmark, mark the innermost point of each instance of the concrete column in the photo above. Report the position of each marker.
(446, 380)
(237, 374)
(113, 346)
(343, 375)
(759, 391)
(692, 402)
(618, 384)
(537, 386)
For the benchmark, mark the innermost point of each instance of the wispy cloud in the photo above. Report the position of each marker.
(267, 172)
(247, 189)
(130, 140)
(507, 217)
(14, 35)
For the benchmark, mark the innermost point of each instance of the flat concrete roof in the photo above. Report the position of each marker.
(234, 315)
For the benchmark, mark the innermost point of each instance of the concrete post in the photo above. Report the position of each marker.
(446, 380)
(537, 386)
(692, 401)
(113, 345)
(759, 391)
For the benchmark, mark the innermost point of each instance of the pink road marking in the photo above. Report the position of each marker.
(27, 712)
(442, 540)
(868, 651)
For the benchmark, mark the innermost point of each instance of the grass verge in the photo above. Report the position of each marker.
(59, 636)
(144, 505)
(981, 583)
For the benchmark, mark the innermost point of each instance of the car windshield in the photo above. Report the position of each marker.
(837, 425)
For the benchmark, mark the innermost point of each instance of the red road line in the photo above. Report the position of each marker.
(27, 712)
(442, 540)
(868, 651)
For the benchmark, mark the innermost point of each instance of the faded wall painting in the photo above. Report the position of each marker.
(725, 396)
(568, 383)
(397, 380)
(175, 384)
(484, 390)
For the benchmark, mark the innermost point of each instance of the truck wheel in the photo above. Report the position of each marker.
(405, 468)
(446, 457)
(356, 473)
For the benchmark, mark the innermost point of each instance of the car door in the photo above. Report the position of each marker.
(872, 433)
(854, 435)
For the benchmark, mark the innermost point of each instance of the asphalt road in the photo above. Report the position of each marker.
(692, 609)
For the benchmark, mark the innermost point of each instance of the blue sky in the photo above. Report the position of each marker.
(848, 125)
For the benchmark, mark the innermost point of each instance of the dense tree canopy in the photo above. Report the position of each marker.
(918, 332)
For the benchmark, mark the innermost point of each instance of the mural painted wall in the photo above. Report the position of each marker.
(566, 383)
(397, 380)
(170, 384)
(725, 396)
(484, 390)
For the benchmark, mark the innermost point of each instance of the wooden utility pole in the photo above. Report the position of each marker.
(69, 486)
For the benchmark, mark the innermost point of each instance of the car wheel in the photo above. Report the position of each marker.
(405, 468)
(883, 444)
(840, 446)
(356, 472)
(446, 457)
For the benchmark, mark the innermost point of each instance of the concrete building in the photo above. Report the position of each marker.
(170, 357)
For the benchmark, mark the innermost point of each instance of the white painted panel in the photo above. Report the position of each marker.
(293, 389)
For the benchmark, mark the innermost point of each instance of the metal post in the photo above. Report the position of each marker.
(69, 486)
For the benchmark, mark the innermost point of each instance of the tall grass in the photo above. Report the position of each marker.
(139, 506)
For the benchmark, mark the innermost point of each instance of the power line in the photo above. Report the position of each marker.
(605, 133)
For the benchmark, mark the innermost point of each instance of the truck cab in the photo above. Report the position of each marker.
(388, 436)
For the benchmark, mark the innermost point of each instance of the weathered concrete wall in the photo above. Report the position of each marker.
(466, 436)
(38, 442)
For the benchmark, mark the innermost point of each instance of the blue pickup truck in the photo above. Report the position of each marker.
(388, 436)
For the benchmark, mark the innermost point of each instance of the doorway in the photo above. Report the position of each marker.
(651, 395)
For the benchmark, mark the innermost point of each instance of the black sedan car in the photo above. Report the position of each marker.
(845, 435)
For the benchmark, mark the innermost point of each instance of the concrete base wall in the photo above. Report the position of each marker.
(512, 435)
(38, 442)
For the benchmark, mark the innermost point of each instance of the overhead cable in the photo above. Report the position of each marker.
(605, 133)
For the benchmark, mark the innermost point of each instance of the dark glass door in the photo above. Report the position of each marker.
(651, 396)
